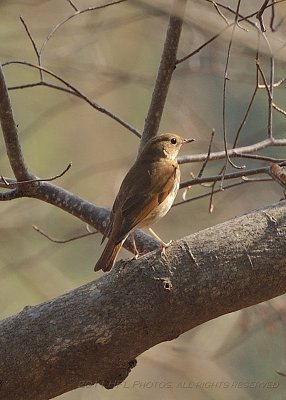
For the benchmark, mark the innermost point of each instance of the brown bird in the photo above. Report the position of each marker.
(145, 195)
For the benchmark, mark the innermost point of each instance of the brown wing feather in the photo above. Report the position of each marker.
(146, 194)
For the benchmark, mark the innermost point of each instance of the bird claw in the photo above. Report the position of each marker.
(135, 257)
(163, 246)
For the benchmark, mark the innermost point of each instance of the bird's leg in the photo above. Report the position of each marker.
(163, 245)
(135, 250)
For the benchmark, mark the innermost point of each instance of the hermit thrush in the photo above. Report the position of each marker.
(145, 195)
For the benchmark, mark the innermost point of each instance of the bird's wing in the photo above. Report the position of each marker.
(146, 194)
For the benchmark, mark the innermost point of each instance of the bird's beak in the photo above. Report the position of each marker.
(189, 140)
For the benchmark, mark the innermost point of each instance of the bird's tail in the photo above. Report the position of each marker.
(108, 256)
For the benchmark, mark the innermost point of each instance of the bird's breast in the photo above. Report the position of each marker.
(161, 210)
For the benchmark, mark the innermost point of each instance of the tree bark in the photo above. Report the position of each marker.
(94, 333)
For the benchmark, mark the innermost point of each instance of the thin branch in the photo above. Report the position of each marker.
(165, 72)
(259, 15)
(222, 174)
(208, 155)
(33, 44)
(198, 49)
(250, 104)
(226, 78)
(76, 92)
(72, 4)
(219, 12)
(202, 196)
(30, 85)
(279, 109)
(270, 100)
(253, 14)
(231, 175)
(246, 179)
(213, 192)
(262, 158)
(237, 152)
(272, 18)
(62, 241)
(241, 19)
(10, 183)
(269, 90)
(77, 12)
(277, 84)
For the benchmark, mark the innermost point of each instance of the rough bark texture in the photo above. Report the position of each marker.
(94, 333)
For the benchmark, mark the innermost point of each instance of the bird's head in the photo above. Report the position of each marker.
(164, 146)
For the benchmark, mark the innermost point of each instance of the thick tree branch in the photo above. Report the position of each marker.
(94, 333)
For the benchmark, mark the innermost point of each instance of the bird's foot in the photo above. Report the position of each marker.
(135, 250)
(163, 246)
(135, 257)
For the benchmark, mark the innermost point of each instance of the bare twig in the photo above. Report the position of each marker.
(10, 183)
(209, 194)
(77, 12)
(62, 241)
(219, 12)
(246, 179)
(208, 155)
(244, 119)
(272, 18)
(198, 49)
(33, 44)
(279, 109)
(240, 19)
(226, 78)
(262, 158)
(76, 92)
(259, 15)
(237, 152)
(72, 4)
(231, 175)
(269, 90)
(215, 191)
(214, 37)
(270, 99)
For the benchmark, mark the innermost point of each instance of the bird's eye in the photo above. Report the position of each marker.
(173, 140)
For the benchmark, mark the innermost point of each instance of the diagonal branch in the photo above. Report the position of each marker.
(10, 133)
(75, 14)
(74, 91)
(79, 339)
(165, 72)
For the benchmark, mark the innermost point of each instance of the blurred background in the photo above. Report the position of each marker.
(112, 55)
